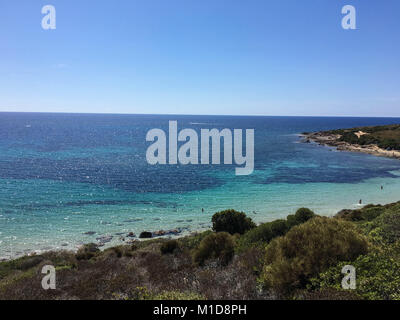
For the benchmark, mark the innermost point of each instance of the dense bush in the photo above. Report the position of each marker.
(121, 251)
(349, 137)
(377, 275)
(309, 249)
(169, 246)
(215, 246)
(302, 215)
(193, 241)
(389, 144)
(232, 221)
(387, 225)
(262, 235)
(367, 213)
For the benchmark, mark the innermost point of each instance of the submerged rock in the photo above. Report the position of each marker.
(89, 233)
(159, 233)
(104, 239)
(132, 220)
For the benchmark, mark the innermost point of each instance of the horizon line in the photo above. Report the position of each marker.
(192, 114)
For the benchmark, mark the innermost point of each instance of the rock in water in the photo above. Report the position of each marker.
(145, 235)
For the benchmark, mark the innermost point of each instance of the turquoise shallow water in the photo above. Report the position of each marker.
(62, 176)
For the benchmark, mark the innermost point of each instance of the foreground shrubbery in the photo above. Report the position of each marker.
(387, 225)
(169, 246)
(264, 233)
(378, 275)
(299, 257)
(309, 249)
(218, 246)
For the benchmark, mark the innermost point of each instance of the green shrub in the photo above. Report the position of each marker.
(87, 251)
(302, 215)
(21, 264)
(61, 258)
(308, 249)
(262, 235)
(368, 213)
(193, 241)
(169, 246)
(232, 221)
(377, 275)
(215, 246)
(387, 225)
(371, 213)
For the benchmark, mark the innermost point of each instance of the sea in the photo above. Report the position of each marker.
(70, 179)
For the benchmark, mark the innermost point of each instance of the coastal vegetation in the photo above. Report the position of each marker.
(231, 221)
(385, 137)
(300, 257)
(378, 140)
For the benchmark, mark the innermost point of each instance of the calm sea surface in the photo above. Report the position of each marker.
(64, 175)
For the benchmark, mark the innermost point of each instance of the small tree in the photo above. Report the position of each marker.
(232, 221)
(219, 246)
(302, 215)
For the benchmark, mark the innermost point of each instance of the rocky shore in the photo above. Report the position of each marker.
(131, 237)
(326, 138)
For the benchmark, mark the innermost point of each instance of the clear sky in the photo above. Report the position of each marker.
(257, 57)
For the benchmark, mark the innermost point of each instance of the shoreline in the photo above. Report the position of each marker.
(156, 236)
(325, 138)
(104, 242)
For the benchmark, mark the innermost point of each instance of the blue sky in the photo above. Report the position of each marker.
(256, 57)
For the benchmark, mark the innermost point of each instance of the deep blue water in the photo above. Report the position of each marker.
(63, 174)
